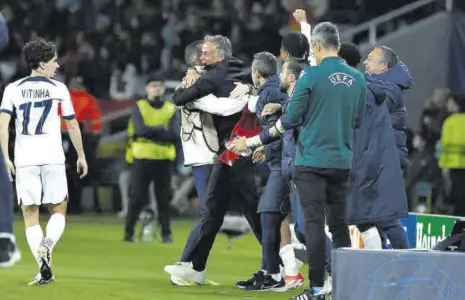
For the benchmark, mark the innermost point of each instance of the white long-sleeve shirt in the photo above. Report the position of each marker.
(195, 148)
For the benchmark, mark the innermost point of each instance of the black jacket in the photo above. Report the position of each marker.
(218, 80)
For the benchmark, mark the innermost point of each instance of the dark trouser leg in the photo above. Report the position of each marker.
(161, 174)
(213, 215)
(6, 200)
(300, 226)
(201, 176)
(457, 177)
(312, 193)
(338, 181)
(140, 181)
(394, 232)
(244, 190)
(271, 224)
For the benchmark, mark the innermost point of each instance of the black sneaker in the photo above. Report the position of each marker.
(9, 254)
(308, 295)
(167, 239)
(271, 285)
(257, 280)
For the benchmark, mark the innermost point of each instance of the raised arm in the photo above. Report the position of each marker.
(306, 29)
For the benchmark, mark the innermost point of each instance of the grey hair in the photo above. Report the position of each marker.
(222, 44)
(265, 63)
(389, 56)
(327, 34)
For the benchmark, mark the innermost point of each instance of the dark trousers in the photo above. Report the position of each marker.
(457, 177)
(201, 176)
(322, 190)
(6, 199)
(392, 229)
(225, 183)
(142, 173)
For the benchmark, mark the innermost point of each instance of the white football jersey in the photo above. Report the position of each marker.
(35, 101)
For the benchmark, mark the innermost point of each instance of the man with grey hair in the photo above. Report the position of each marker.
(329, 100)
(225, 182)
(384, 69)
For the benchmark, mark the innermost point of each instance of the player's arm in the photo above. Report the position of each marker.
(202, 87)
(221, 106)
(306, 29)
(74, 132)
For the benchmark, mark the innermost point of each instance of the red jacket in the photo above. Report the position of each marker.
(87, 111)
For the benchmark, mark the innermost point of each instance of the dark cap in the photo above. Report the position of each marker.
(157, 77)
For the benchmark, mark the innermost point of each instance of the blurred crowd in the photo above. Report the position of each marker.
(430, 182)
(111, 44)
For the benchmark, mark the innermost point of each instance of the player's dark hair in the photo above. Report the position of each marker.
(389, 56)
(296, 66)
(350, 53)
(193, 52)
(266, 64)
(38, 50)
(296, 45)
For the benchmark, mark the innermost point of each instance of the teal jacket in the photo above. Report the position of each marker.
(329, 100)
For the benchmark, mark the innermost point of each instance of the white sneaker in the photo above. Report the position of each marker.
(181, 282)
(328, 286)
(185, 271)
(38, 280)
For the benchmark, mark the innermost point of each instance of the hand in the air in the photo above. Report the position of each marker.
(300, 15)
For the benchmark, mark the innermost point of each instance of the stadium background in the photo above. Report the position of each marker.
(109, 47)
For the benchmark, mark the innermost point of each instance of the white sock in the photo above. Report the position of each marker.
(55, 228)
(288, 256)
(371, 239)
(34, 236)
(276, 277)
(264, 272)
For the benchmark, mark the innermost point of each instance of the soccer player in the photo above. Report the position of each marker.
(39, 157)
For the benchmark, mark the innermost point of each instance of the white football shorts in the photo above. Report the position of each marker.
(45, 184)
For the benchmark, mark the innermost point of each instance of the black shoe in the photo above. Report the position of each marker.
(9, 254)
(272, 285)
(257, 280)
(308, 295)
(167, 239)
(128, 239)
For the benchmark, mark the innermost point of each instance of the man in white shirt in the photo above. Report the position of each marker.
(39, 157)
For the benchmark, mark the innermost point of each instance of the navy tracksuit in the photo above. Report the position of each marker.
(6, 199)
(272, 206)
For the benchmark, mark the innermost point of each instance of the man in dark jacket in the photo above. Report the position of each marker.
(271, 205)
(221, 72)
(376, 189)
(384, 68)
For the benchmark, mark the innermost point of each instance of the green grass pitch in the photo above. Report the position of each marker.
(91, 262)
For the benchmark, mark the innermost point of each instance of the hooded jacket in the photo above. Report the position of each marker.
(394, 82)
